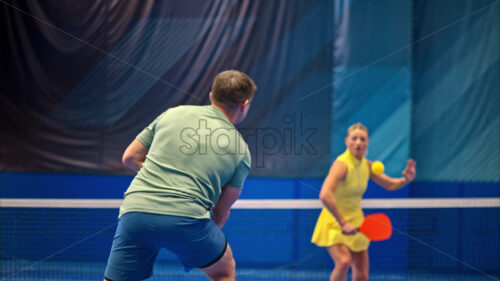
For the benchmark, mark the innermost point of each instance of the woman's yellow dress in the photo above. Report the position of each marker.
(348, 196)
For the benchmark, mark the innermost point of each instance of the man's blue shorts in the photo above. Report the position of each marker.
(139, 237)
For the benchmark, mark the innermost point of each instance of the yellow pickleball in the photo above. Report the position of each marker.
(377, 167)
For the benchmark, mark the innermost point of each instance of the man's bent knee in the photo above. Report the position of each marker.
(223, 269)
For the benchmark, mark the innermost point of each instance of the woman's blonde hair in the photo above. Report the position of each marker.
(357, 126)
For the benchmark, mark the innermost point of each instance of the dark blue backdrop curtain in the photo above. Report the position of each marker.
(80, 80)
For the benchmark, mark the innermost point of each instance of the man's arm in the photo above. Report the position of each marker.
(221, 210)
(134, 155)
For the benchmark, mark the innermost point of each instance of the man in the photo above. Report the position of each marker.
(191, 160)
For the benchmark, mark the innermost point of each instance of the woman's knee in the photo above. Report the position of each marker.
(343, 262)
(360, 266)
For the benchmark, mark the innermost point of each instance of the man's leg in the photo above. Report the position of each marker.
(223, 269)
(132, 256)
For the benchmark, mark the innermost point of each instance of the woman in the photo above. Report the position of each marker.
(341, 195)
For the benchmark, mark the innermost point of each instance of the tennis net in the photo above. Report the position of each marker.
(433, 239)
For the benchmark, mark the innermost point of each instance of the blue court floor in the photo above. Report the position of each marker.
(28, 271)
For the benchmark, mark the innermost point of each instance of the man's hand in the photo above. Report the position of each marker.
(222, 208)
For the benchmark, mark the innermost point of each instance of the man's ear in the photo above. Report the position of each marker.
(244, 105)
(211, 97)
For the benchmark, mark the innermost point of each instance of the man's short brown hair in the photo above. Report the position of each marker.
(231, 88)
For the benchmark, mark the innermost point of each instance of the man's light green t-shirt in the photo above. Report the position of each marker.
(193, 152)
